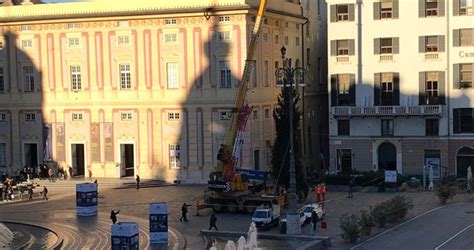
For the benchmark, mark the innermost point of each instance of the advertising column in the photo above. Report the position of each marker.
(86, 199)
(125, 236)
(158, 222)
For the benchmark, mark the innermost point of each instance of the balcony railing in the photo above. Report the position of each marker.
(431, 56)
(388, 110)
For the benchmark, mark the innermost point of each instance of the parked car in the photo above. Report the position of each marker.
(302, 218)
(308, 209)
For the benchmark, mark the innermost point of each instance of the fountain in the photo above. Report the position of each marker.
(242, 243)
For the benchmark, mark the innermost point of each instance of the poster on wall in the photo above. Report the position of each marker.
(95, 142)
(60, 142)
(158, 222)
(435, 164)
(390, 176)
(86, 199)
(108, 138)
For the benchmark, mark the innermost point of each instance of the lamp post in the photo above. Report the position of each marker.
(285, 78)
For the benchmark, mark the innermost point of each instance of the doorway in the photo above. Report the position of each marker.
(31, 154)
(464, 159)
(387, 155)
(344, 161)
(127, 163)
(256, 159)
(77, 159)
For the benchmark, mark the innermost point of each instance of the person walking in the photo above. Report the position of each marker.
(351, 186)
(212, 222)
(45, 193)
(314, 221)
(30, 193)
(113, 216)
(50, 175)
(138, 181)
(184, 212)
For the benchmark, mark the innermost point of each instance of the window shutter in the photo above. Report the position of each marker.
(377, 80)
(456, 8)
(376, 46)
(396, 88)
(421, 8)
(421, 44)
(441, 7)
(333, 13)
(333, 90)
(395, 9)
(456, 84)
(456, 122)
(422, 89)
(456, 41)
(351, 47)
(351, 12)
(441, 87)
(352, 90)
(441, 44)
(376, 10)
(333, 47)
(396, 45)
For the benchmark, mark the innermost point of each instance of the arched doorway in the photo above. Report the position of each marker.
(387, 156)
(464, 159)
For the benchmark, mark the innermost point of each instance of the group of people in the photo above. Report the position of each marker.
(43, 171)
(7, 188)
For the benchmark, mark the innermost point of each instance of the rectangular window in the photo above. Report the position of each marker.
(73, 42)
(73, 26)
(265, 73)
(432, 88)
(175, 161)
(170, 38)
(286, 25)
(265, 37)
(277, 39)
(123, 40)
(224, 115)
(463, 120)
(126, 116)
(3, 117)
(25, 27)
(466, 75)
(342, 47)
(172, 73)
(255, 114)
(297, 41)
(267, 113)
(431, 44)
(2, 44)
(342, 12)
(343, 85)
(3, 154)
(344, 161)
(386, 8)
(123, 23)
(286, 40)
(28, 78)
(343, 127)
(465, 7)
(431, 8)
(76, 78)
(387, 127)
(27, 43)
(225, 74)
(2, 80)
(386, 46)
(173, 116)
(466, 37)
(432, 127)
(387, 89)
(170, 21)
(224, 19)
(30, 117)
(125, 81)
(77, 116)
(224, 36)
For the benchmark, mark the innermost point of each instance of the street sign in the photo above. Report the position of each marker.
(86, 199)
(390, 176)
(158, 222)
(125, 236)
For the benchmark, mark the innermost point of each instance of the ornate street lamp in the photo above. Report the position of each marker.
(286, 78)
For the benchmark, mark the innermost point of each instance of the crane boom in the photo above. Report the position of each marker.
(229, 150)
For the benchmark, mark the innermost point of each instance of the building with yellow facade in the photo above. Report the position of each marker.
(118, 89)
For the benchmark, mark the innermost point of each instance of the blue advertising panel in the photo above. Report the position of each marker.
(86, 199)
(158, 222)
(253, 174)
(125, 235)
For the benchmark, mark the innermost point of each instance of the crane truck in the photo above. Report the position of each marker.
(229, 189)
